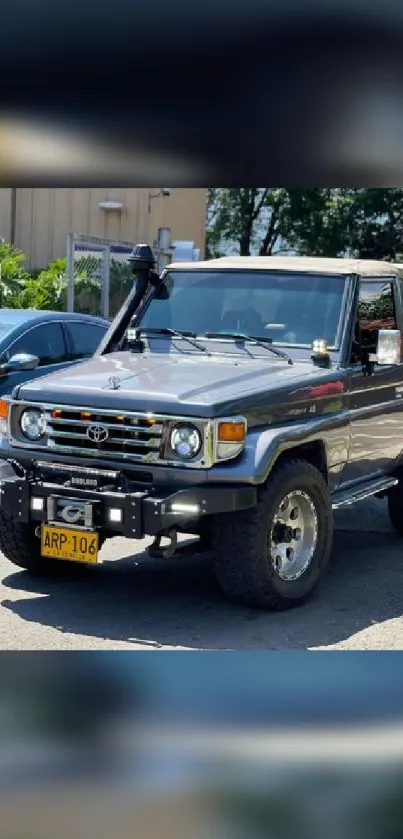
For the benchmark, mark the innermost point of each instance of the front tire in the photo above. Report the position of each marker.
(22, 547)
(274, 555)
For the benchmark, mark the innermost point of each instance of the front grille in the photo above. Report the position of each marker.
(129, 436)
(101, 434)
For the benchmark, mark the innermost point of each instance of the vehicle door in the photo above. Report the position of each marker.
(375, 395)
(45, 340)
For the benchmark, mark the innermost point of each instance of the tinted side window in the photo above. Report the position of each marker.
(376, 310)
(46, 341)
(86, 338)
(377, 305)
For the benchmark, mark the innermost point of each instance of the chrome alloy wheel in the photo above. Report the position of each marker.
(293, 536)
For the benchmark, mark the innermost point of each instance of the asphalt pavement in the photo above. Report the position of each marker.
(133, 602)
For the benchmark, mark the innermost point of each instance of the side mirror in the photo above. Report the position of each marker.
(19, 362)
(389, 348)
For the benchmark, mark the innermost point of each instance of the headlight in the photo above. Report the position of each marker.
(186, 441)
(33, 424)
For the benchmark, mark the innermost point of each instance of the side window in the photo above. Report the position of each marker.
(46, 341)
(376, 310)
(86, 338)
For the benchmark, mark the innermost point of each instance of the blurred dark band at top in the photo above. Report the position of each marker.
(295, 94)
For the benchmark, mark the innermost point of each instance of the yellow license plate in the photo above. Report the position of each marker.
(74, 545)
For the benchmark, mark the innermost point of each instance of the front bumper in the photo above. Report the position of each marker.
(142, 513)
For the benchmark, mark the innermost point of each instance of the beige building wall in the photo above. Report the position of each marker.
(5, 214)
(44, 217)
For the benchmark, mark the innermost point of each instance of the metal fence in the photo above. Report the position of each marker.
(98, 274)
(98, 271)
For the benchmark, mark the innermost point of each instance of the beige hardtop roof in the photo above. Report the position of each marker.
(293, 263)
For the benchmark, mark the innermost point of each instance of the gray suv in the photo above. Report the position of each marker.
(240, 399)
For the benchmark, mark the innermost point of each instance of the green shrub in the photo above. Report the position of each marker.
(12, 274)
(47, 288)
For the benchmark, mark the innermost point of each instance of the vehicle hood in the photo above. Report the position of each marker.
(172, 383)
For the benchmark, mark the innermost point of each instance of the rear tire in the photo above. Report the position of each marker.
(261, 559)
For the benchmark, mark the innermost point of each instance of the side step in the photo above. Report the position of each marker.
(346, 498)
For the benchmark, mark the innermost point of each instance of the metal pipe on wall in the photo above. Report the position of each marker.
(70, 272)
(13, 214)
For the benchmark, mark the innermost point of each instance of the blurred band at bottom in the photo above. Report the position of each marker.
(201, 743)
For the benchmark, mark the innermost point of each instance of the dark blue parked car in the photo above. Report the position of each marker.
(33, 343)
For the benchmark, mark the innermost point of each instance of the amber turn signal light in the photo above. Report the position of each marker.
(231, 432)
(3, 409)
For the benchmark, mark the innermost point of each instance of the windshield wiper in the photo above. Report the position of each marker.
(259, 342)
(176, 333)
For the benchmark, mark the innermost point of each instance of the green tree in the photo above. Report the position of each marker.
(266, 220)
(361, 223)
(320, 222)
(273, 222)
(245, 218)
(376, 224)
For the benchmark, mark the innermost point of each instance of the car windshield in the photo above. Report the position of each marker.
(8, 323)
(292, 309)
(4, 330)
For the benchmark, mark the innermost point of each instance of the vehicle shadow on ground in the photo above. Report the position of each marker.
(139, 601)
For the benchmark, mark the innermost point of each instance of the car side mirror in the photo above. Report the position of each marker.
(19, 362)
(389, 348)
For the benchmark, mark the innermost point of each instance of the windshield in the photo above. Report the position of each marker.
(4, 330)
(292, 309)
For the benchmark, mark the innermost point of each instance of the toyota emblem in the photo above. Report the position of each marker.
(97, 433)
